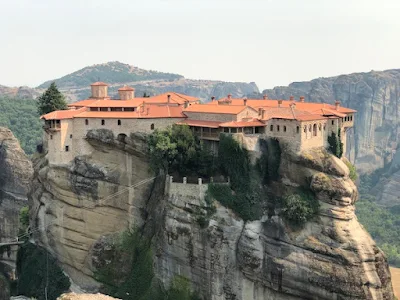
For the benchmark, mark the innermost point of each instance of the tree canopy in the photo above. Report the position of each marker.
(52, 99)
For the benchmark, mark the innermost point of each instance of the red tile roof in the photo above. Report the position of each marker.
(126, 88)
(99, 83)
(82, 103)
(218, 109)
(62, 114)
(135, 102)
(174, 98)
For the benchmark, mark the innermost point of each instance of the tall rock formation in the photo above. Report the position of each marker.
(376, 97)
(15, 176)
(332, 257)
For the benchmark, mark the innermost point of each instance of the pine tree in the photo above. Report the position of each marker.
(51, 100)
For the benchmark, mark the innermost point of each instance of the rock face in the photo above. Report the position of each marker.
(375, 95)
(332, 257)
(15, 176)
(77, 204)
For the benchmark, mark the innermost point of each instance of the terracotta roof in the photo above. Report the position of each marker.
(62, 114)
(217, 109)
(285, 103)
(290, 114)
(99, 83)
(149, 112)
(126, 88)
(198, 123)
(253, 123)
(82, 103)
(174, 98)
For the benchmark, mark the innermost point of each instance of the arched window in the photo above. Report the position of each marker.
(103, 122)
(315, 130)
(271, 128)
(319, 127)
(121, 137)
(305, 128)
(86, 122)
(284, 128)
(309, 128)
(152, 126)
(119, 122)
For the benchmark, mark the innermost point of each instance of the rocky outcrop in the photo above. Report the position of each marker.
(79, 208)
(75, 205)
(375, 95)
(15, 176)
(331, 257)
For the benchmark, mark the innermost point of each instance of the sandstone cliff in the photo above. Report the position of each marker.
(15, 176)
(375, 95)
(332, 257)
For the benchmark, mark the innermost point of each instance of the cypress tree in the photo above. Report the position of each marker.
(51, 100)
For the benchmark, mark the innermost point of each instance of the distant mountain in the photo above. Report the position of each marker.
(376, 97)
(23, 92)
(77, 84)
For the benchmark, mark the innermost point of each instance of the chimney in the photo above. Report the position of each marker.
(291, 98)
(265, 97)
(168, 98)
(99, 90)
(186, 104)
(212, 98)
(337, 104)
(260, 111)
(245, 101)
(229, 96)
(302, 98)
(126, 93)
(262, 114)
(279, 103)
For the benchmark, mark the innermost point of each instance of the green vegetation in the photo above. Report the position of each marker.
(24, 221)
(335, 144)
(299, 207)
(21, 117)
(177, 151)
(381, 222)
(138, 281)
(51, 100)
(37, 269)
(353, 172)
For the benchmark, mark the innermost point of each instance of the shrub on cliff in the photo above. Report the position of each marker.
(353, 172)
(37, 272)
(335, 144)
(177, 150)
(51, 100)
(299, 207)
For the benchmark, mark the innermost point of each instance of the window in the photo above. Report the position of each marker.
(324, 127)
(103, 122)
(119, 122)
(66, 148)
(70, 136)
(152, 126)
(51, 137)
(333, 122)
(86, 122)
(277, 128)
(271, 128)
(315, 130)
(298, 129)
(319, 127)
(305, 128)
(284, 128)
(309, 128)
(233, 130)
(103, 108)
(129, 109)
(351, 118)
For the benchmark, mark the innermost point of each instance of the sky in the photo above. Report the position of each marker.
(270, 42)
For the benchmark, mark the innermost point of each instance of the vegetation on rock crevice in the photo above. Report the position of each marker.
(137, 281)
(37, 272)
(299, 207)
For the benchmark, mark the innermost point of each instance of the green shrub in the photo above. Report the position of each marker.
(300, 207)
(335, 144)
(177, 150)
(38, 269)
(353, 172)
(23, 220)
